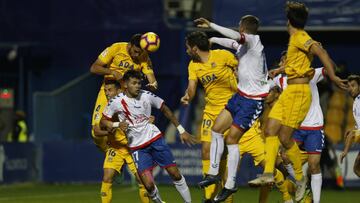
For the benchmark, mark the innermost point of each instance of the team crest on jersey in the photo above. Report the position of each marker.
(213, 65)
(97, 116)
(308, 43)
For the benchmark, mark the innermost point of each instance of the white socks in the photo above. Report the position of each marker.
(232, 165)
(316, 182)
(183, 189)
(155, 195)
(290, 170)
(216, 151)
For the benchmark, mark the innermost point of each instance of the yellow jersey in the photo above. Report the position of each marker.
(217, 77)
(117, 58)
(299, 58)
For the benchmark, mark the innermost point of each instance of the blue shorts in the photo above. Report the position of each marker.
(311, 141)
(157, 153)
(244, 111)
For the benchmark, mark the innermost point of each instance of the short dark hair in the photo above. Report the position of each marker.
(198, 39)
(132, 74)
(250, 23)
(355, 78)
(135, 40)
(297, 14)
(112, 82)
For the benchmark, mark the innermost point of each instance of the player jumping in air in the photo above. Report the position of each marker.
(145, 140)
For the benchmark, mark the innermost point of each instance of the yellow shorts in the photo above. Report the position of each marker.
(100, 105)
(252, 143)
(206, 125)
(292, 105)
(117, 157)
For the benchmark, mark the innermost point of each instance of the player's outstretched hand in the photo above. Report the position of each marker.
(185, 99)
(123, 125)
(152, 86)
(340, 83)
(116, 75)
(152, 119)
(188, 139)
(274, 72)
(202, 23)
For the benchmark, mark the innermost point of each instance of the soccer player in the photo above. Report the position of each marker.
(145, 140)
(310, 135)
(214, 69)
(253, 144)
(118, 152)
(294, 102)
(245, 106)
(354, 134)
(113, 62)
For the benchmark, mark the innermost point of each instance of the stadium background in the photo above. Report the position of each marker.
(47, 47)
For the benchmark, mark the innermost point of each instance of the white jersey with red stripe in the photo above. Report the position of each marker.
(356, 112)
(314, 119)
(252, 69)
(136, 112)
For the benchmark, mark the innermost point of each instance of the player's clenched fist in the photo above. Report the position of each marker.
(202, 22)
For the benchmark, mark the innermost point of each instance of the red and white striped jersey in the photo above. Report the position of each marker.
(136, 112)
(356, 112)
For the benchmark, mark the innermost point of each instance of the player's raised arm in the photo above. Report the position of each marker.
(203, 23)
(100, 66)
(225, 42)
(184, 136)
(325, 59)
(153, 85)
(189, 93)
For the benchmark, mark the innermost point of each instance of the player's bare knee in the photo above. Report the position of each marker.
(314, 167)
(174, 173)
(231, 139)
(107, 178)
(286, 141)
(217, 128)
(108, 175)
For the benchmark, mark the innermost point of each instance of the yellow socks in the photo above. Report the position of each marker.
(295, 157)
(272, 144)
(144, 197)
(106, 192)
(281, 185)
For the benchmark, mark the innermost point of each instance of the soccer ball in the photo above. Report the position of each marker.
(150, 42)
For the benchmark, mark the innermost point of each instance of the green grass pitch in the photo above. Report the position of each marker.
(89, 193)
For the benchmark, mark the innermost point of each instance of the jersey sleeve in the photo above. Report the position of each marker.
(192, 72)
(318, 75)
(155, 101)
(304, 41)
(111, 109)
(225, 42)
(108, 54)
